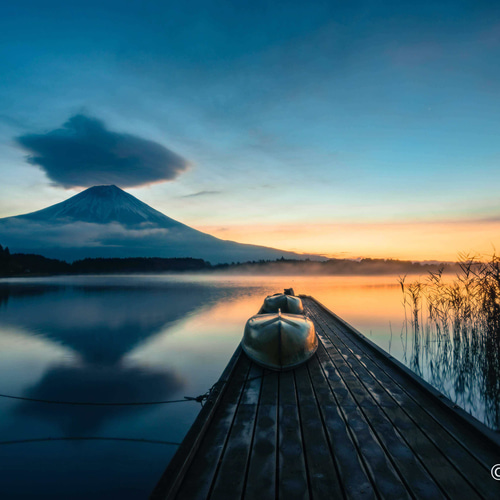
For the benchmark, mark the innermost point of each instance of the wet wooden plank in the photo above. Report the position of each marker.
(322, 475)
(198, 480)
(386, 481)
(292, 475)
(261, 480)
(352, 472)
(172, 477)
(229, 485)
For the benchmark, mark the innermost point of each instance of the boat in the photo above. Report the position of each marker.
(284, 302)
(279, 341)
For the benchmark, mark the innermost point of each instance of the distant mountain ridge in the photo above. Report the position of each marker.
(105, 221)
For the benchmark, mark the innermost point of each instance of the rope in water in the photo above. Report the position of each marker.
(89, 438)
(198, 399)
(92, 403)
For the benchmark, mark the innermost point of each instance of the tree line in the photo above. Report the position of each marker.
(18, 264)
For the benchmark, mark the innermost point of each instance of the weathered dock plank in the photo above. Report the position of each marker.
(262, 470)
(352, 472)
(351, 423)
(200, 475)
(385, 479)
(236, 454)
(322, 474)
(291, 461)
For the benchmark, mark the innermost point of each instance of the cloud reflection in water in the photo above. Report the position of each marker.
(91, 383)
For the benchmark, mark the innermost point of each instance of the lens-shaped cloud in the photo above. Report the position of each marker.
(83, 153)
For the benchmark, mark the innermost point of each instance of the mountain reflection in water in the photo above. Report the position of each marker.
(102, 324)
(76, 343)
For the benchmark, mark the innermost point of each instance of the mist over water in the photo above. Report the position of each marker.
(139, 339)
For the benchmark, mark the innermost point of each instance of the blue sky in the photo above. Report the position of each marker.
(349, 117)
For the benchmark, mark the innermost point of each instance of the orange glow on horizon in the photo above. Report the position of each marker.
(405, 241)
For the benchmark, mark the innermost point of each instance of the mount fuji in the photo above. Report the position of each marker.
(105, 221)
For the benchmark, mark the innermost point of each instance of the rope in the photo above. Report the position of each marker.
(90, 438)
(202, 398)
(91, 403)
(199, 399)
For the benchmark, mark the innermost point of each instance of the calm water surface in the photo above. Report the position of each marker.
(137, 339)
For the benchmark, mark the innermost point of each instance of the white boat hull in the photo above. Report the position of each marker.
(279, 341)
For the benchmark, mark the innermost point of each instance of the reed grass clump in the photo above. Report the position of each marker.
(451, 334)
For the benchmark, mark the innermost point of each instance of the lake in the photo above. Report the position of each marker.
(146, 339)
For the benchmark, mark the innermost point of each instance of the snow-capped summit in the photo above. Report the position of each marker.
(105, 221)
(102, 205)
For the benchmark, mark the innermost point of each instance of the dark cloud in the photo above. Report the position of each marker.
(84, 153)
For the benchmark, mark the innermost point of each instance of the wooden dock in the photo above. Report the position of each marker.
(351, 423)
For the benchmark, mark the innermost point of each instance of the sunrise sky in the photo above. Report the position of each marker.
(347, 129)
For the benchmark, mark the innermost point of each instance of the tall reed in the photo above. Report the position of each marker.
(455, 334)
